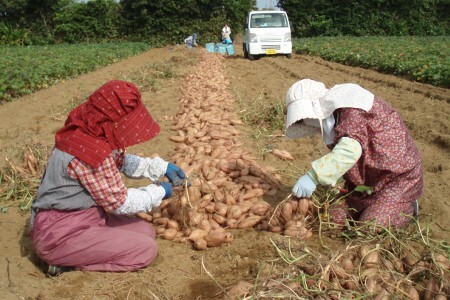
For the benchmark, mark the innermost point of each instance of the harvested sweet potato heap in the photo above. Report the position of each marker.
(227, 185)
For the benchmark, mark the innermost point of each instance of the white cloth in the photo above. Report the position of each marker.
(141, 200)
(328, 132)
(309, 99)
(151, 168)
(190, 40)
(226, 32)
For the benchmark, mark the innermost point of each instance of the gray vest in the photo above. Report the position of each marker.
(58, 190)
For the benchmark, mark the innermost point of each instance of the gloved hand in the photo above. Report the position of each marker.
(168, 188)
(175, 175)
(304, 187)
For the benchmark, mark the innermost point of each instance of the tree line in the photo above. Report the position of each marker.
(160, 22)
(368, 17)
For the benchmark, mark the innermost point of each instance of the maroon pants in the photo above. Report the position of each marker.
(93, 240)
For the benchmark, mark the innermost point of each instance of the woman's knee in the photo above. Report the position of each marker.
(144, 253)
(386, 215)
(146, 228)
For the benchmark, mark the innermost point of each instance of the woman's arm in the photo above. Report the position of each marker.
(106, 187)
(144, 167)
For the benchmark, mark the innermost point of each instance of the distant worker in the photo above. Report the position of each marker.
(226, 32)
(191, 41)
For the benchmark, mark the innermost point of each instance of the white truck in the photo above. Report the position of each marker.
(267, 32)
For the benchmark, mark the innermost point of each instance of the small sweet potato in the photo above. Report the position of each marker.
(197, 234)
(200, 244)
(215, 238)
(177, 138)
(169, 234)
(283, 154)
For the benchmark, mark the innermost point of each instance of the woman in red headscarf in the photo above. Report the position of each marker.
(83, 215)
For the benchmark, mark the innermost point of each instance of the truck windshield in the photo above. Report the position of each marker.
(268, 20)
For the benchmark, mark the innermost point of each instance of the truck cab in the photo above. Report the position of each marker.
(267, 33)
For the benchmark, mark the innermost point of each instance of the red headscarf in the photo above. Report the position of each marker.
(112, 118)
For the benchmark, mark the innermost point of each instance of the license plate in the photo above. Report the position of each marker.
(271, 51)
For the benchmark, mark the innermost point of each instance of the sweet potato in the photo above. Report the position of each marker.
(219, 219)
(210, 208)
(173, 224)
(194, 193)
(431, 289)
(231, 223)
(169, 234)
(195, 218)
(145, 216)
(260, 207)
(283, 154)
(177, 138)
(413, 294)
(239, 290)
(164, 203)
(218, 196)
(161, 221)
(249, 222)
(214, 225)
(200, 244)
(371, 258)
(253, 194)
(247, 179)
(303, 206)
(292, 232)
(197, 234)
(276, 229)
(228, 237)
(215, 238)
(234, 212)
(442, 261)
(339, 272)
(286, 211)
(160, 230)
(229, 199)
(205, 225)
(347, 264)
(246, 205)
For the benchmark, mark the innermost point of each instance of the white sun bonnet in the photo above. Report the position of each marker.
(309, 99)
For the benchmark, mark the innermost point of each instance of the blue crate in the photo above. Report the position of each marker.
(210, 47)
(221, 48)
(230, 49)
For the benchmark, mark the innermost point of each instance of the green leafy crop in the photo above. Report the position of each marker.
(424, 59)
(26, 69)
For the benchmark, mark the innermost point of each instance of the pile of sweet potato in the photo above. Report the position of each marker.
(227, 185)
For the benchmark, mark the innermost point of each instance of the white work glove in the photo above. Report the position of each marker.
(304, 187)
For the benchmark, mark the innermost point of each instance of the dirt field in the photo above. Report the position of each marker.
(177, 273)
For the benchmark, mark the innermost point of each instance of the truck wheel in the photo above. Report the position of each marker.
(289, 55)
(251, 56)
(245, 51)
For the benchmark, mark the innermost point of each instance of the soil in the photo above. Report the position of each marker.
(180, 272)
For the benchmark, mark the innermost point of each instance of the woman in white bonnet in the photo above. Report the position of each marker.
(370, 145)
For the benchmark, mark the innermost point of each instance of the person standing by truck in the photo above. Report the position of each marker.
(226, 34)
